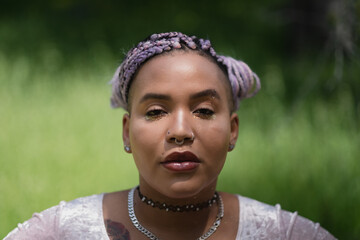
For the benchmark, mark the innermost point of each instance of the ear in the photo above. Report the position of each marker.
(234, 130)
(126, 132)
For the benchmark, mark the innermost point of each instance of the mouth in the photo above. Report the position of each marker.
(181, 161)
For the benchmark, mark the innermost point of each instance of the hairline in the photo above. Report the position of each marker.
(187, 50)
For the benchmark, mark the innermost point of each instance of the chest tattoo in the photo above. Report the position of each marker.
(116, 230)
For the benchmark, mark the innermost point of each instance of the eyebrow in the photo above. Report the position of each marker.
(154, 96)
(206, 93)
(211, 93)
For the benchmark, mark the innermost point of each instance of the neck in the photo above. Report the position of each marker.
(178, 193)
(178, 208)
(167, 224)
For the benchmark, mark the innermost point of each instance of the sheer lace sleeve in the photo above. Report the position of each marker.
(295, 227)
(262, 221)
(42, 225)
(81, 218)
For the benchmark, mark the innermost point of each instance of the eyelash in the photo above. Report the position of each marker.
(155, 114)
(204, 113)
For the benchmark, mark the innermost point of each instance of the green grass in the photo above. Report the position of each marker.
(60, 140)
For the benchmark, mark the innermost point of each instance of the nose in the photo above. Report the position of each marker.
(179, 130)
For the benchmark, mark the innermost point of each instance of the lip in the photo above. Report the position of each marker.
(181, 162)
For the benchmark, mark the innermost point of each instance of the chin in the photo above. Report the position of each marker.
(188, 189)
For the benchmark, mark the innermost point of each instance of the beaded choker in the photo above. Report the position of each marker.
(177, 208)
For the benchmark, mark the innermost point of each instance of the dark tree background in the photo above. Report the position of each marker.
(321, 36)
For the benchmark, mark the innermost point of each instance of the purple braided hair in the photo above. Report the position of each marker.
(243, 81)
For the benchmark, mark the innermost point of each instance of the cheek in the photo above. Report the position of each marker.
(145, 140)
(215, 138)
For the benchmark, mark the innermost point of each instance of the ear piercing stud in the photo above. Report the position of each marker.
(127, 148)
(231, 147)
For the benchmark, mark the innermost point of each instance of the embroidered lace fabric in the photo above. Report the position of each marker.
(82, 218)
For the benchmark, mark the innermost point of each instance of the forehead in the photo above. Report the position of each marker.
(178, 74)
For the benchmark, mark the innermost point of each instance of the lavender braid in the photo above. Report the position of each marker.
(244, 82)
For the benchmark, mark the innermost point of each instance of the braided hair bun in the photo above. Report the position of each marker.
(243, 81)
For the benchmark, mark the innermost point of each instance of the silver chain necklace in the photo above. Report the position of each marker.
(151, 236)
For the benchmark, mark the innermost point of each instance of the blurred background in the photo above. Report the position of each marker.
(299, 141)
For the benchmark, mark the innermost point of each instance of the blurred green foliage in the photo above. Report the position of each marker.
(299, 137)
(315, 43)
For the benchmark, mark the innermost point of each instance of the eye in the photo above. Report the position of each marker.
(154, 114)
(204, 113)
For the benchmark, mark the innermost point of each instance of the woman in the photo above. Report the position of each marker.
(181, 99)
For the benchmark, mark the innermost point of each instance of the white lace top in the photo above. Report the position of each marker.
(82, 218)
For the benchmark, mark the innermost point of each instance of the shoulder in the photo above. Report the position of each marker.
(259, 220)
(82, 217)
(83, 204)
(55, 222)
(81, 209)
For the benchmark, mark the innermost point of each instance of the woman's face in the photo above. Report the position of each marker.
(181, 96)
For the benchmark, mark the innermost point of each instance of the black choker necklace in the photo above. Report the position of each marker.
(183, 208)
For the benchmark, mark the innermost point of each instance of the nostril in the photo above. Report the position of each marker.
(180, 141)
(192, 137)
(177, 142)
